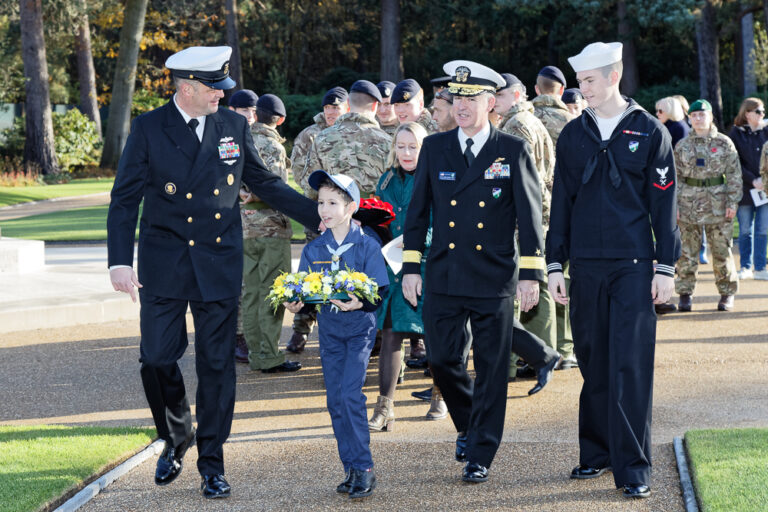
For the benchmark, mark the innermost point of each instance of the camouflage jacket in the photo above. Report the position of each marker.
(354, 146)
(390, 128)
(553, 114)
(521, 121)
(429, 124)
(259, 220)
(301, 146)
(711, 156)
(764, 164)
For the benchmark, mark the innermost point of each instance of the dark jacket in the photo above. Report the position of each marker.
(474, 214)
(678, 130)
(190, 238)
(599, 220)
(749, 144)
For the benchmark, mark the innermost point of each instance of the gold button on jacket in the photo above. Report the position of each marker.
(451, 245)
(191, 243)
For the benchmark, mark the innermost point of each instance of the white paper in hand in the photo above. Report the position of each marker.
(393, 253)
(758, 197)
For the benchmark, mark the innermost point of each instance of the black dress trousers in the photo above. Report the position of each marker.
(476, 408)
(163, 342)
(614, 333)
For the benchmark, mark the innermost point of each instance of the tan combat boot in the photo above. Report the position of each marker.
(383, 418)
(437, 408)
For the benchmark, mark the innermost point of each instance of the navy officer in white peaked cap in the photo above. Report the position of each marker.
(613, 194)
(186, 160)
(478, 184)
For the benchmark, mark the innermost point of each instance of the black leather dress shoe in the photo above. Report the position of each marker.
(525, 372)
(363, 483)
(636, 491)
(287, 366)
(417, 364)
(686, 303)
(425, 395)
(241, 349)
(474, 473)
(169, 464)
(587, 472)
(296, 343)
(214, 486)
(544, 374)
(725, 303)
(663, 309)
(461, 447)
(346, 485)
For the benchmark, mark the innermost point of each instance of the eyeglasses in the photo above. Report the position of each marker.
(759, 111)
(659, 111)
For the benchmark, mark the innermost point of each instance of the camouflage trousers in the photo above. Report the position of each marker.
(720, 241)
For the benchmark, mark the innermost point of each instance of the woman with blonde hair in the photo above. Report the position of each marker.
(749, 135)
(670, 112)
(396, 318)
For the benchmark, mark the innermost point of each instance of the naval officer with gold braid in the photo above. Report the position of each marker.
(478, 184)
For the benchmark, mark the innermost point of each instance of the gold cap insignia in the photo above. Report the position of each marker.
(230, 179)
(170, 188)
(462, 73)
(226, 68)
(406, 95)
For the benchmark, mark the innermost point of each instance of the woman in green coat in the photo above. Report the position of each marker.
(396, 318)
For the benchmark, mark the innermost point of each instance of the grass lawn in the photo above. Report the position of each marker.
(15, 195)
(729, 468)
(40, 463)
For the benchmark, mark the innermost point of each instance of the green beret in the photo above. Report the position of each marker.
(700, 105)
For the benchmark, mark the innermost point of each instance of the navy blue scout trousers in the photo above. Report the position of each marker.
(614, 336)
(163, 343)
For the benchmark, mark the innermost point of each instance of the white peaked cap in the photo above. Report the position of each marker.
(596, 55)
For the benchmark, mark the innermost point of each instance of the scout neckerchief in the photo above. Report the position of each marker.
(336, 254)
(604, 147)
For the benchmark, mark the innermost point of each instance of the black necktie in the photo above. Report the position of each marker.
(193, 128)
(469, 156)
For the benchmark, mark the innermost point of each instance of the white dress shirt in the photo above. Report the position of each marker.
(478, 141)
(201, 120)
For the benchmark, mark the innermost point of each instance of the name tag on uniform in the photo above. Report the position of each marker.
(447, 176)
(497, 171)
(700, 162)
(229, 150)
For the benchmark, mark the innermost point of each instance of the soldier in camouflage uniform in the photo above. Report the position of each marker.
(442, 106)
(518, 119)
(266, 247)
(386, 113)
(354, 146)
(548, 105)
(708, 193)
(334, 105)
(408, 99)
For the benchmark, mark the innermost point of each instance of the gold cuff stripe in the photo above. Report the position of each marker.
(411, 257)
(533, 262)
(464, 89)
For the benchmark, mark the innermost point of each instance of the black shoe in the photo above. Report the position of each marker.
(637, 491)
(241, 349)
(427, 372)
(214, 486)
(663, 309)
(363, 483)
(726, 303)
(568, 363)
(296, 343)
(526, 372)
(169, 464)
(346, 485)
(586, 472)
(544, 374)
(461, 447)
(474, 473)
(686, 303)
(425, 395)
(287, 366)
(417, 364)
(400, 379)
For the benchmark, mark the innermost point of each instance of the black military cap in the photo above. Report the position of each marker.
(405, 91)
(272, 104)
(553, 73)
(510, 80)
(572, 96)
(366, 87)
(385, 88)
(335, 96)
(443, 94)
(243, 98)
(441, 81)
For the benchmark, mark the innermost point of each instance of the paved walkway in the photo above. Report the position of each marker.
(52, 205)
(711, 371)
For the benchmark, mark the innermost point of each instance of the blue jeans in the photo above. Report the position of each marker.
(748, 214)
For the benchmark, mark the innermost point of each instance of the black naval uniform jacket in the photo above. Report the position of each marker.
(475, 212)
(610, 214)
(190, 238)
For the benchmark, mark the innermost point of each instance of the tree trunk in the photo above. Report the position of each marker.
(749, 81)
(39, 153)
(119, 120)
(85, 72)
(631, 77)
(391, 46)
(233, 40)
(709, 60)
